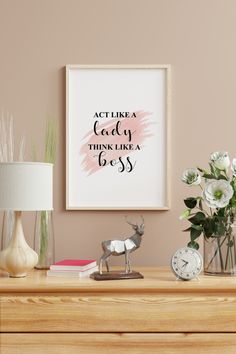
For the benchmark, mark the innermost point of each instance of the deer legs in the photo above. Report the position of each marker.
(107, 266)
(104, 258)
(127, 262)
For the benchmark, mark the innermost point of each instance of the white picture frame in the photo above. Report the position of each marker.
(117, 137)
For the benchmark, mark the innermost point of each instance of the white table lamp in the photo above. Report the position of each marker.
(24, 186)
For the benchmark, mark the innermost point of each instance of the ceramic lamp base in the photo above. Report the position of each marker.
(23, 275)
(18, 258)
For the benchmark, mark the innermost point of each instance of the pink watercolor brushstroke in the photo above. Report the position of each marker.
(140, 128)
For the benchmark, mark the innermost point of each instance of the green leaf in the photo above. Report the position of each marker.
(208, 227)
(233, 202)
(197, 227)
(208, 176)
(190, 202)
(201, 170)
(194, 245)
(214, 170)
(220, 228)
(188, 229)
(221, 214)
(233, 185)
(223, 177)
(185, 214)
(195, 233)
(200, 204)
(198, 218)
(215, 173)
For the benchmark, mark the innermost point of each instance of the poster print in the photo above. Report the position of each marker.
(117, 125)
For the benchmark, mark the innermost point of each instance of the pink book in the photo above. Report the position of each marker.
(74, 264)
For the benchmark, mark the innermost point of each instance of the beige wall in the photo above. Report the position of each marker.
(39, 37)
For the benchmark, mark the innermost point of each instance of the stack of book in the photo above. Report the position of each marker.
(75, 268)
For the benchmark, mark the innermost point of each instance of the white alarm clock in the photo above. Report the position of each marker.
(187, 263)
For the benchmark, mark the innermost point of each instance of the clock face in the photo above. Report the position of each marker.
(187, 263)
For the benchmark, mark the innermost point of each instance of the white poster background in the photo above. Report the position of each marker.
(91, 90)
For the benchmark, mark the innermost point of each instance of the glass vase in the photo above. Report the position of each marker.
(44, 243)
(220, 253)
(7, 228)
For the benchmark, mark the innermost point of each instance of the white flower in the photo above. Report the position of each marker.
(220, 159)
(217, 193)
(233, 167)
(191, 177)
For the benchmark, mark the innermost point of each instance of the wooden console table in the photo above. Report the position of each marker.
(156, 314)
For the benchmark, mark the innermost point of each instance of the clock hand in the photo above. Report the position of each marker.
(184, 261)
(185, 264)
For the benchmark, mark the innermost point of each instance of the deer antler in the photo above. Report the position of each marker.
(142, 219)
(128, 222)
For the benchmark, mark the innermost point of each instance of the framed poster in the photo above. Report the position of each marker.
(117, 137)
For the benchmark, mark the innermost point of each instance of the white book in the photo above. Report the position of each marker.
(71, 273)
(74, 264)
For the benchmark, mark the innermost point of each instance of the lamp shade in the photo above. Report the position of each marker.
(26, 186)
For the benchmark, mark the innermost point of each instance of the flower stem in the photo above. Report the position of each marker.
(220, 254)
(227, 256)
(231, 259)
(234, 251)
(216, 251)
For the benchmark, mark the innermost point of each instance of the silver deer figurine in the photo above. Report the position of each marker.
(120, 247)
